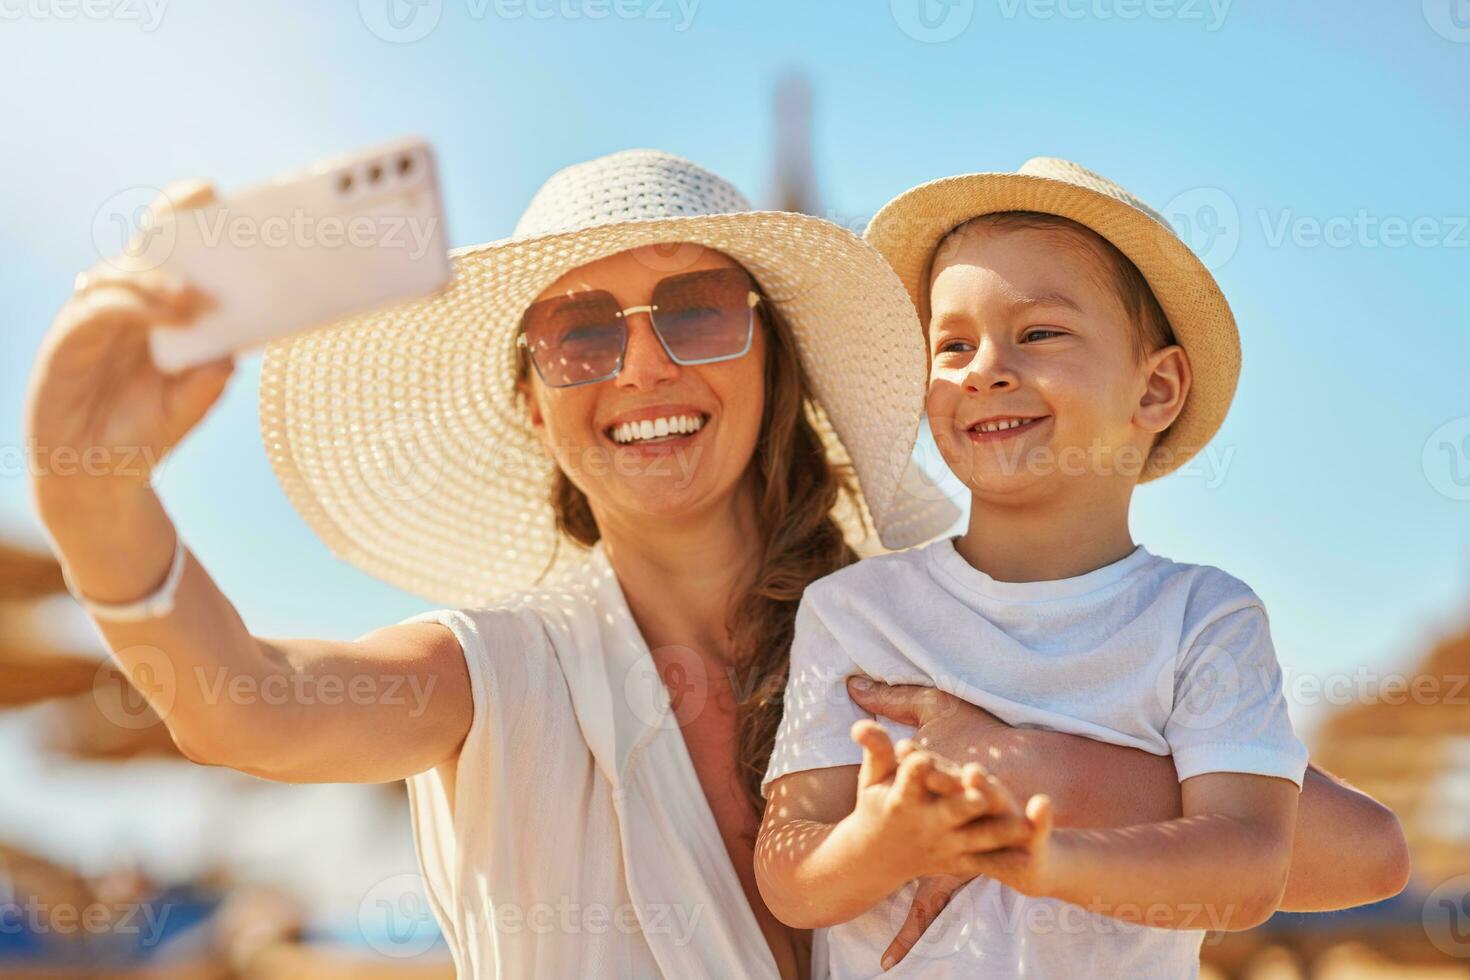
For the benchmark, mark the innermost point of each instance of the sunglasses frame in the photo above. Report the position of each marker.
(753, 298)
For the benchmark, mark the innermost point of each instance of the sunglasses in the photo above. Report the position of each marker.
(699, 318)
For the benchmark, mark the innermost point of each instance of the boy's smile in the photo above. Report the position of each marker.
(1035, 372)
(1002, 427)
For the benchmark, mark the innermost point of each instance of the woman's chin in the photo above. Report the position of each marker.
(663, 498)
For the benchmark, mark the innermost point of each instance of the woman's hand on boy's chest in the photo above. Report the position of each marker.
(943, 724)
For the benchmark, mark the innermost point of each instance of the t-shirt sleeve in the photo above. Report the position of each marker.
(1229, 712)
(816, 723)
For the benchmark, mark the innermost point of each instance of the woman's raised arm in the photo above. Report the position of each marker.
(99, 418)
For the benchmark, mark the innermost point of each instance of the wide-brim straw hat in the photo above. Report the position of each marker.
(909, 229)
(399, 437)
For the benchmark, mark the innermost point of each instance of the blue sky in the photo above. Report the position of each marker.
(1313, 152)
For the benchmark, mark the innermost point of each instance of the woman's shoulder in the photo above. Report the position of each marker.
(525, 614)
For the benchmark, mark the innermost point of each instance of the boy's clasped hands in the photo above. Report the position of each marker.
(918, 814)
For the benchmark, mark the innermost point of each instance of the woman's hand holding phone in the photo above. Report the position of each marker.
(100, 416)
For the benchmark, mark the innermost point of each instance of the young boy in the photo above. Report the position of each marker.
(1077, 348)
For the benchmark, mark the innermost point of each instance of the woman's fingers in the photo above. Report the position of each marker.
(169, 299)
(98, 315)
(190, 393)
(879, 761)
(910, 704)
(145, 249)
(933, 894)
(181, 195)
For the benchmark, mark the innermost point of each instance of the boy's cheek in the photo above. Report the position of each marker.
(942, 396)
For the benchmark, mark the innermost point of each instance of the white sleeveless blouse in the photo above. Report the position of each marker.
(571, 838)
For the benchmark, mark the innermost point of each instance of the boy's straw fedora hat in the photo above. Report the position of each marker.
(909, 228)
(398, 434)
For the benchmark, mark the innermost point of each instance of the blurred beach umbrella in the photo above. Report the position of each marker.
(95, 711)
(1405, 739)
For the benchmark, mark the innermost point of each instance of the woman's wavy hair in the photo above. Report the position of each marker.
(797, 487)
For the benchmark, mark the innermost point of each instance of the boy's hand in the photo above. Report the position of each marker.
(916, 814)
(1026, 865)
(1023, 865)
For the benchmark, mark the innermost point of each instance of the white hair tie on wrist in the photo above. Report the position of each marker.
(158, 603)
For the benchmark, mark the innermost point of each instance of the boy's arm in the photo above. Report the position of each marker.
(1223, 865)
(1349, 851)
(800, 869)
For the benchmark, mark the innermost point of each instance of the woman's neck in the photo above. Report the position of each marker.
(681, 577)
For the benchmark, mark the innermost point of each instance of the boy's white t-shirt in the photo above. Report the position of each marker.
(1149, 653)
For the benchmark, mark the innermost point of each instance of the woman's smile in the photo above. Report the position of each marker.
(658, 429)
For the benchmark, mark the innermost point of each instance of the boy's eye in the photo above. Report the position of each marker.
(1040, 333)
(953, 346)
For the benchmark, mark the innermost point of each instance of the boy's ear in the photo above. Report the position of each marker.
(1166, 386)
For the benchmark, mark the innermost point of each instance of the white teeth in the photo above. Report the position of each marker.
(1002, 425)
(669, 425)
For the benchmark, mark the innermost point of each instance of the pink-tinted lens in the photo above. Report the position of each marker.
(575, 339)
(704, 315)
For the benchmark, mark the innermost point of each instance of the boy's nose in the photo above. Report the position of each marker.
(990, 368)
(645, 362)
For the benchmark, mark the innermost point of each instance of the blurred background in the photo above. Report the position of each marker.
(1313, 153)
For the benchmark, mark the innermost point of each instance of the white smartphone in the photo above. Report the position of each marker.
(346, 235)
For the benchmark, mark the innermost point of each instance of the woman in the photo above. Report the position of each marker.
(626, 460)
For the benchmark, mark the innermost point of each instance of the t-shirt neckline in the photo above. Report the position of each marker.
(946, 559)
